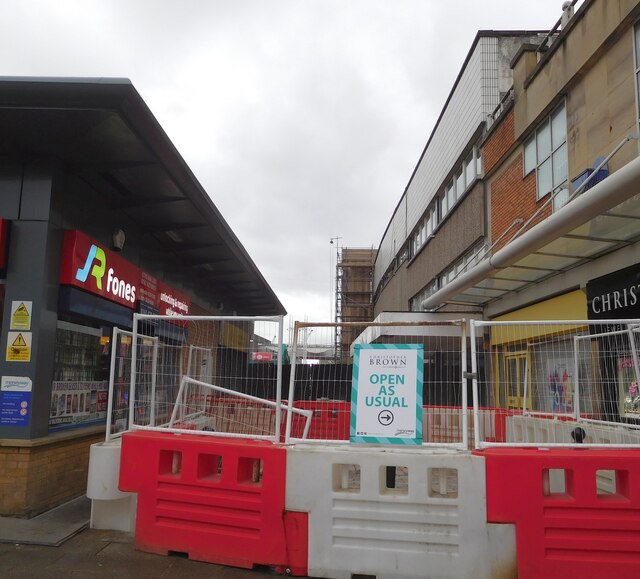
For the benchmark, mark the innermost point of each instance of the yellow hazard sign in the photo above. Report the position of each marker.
(19, 347)
(21, 315)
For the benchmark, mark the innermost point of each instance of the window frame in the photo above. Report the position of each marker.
(532, 145)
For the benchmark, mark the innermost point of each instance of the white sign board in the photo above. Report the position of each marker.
(386, 394)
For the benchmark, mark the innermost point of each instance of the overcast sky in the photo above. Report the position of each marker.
(303, 119)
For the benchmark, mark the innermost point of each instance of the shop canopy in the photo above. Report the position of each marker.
(599, 221)
(105, 132)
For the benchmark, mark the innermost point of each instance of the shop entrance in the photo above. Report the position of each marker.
(517, 375)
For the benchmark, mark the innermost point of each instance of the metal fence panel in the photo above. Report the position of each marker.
(211, 374)
(556, 383)
(322, 357)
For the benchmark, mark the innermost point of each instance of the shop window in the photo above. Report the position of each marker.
(79, 391)
(77, 354)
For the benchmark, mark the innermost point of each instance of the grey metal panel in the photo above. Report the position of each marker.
(36, 193)
(10, 187)
(34, 266)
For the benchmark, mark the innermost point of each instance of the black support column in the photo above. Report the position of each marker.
(33, 267)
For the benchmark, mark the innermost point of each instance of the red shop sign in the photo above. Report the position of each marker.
(89, 266)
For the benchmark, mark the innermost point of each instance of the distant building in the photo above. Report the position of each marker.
(354, 293)
(440, 224)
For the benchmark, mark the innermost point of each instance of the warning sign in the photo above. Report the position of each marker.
(19, 347)
(21, 315)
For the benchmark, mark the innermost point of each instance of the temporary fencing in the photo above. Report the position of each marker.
(120, 378)
(556, 383)
(211, 374)
(322, 358)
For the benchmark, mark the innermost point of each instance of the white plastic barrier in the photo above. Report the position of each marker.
(110, 508)
(542, 431)
(432, 524)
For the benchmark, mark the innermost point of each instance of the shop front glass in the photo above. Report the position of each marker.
(80, 387)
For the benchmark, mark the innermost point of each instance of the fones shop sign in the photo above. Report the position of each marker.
(159, 298)
(89, 266)
(173, 303)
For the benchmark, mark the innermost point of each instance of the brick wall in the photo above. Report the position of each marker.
(498, 142)
(512, 197)
(36, 478)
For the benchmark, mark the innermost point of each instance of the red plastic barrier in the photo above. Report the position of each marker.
(565, 527)
(330, 421)
(217, 500)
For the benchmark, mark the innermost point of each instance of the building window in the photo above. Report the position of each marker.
(546, 152)
(415, 304)
(444, 202)
(470, 169)
(465, 263)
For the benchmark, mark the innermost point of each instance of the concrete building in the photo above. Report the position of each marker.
(439, 224)
(354, 293)
(100, 218)
(549, 228)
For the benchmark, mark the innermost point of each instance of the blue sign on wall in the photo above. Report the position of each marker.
(15, 401)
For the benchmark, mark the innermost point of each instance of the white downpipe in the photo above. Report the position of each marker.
(603, 196)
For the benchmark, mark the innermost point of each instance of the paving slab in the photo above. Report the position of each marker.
(51, 528)
(93, 553)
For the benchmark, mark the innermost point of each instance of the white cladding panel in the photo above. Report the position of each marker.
(391, 242)
(458, 123)
(476, 96)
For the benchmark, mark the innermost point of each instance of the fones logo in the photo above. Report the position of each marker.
(95, 265)
(97, 271)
